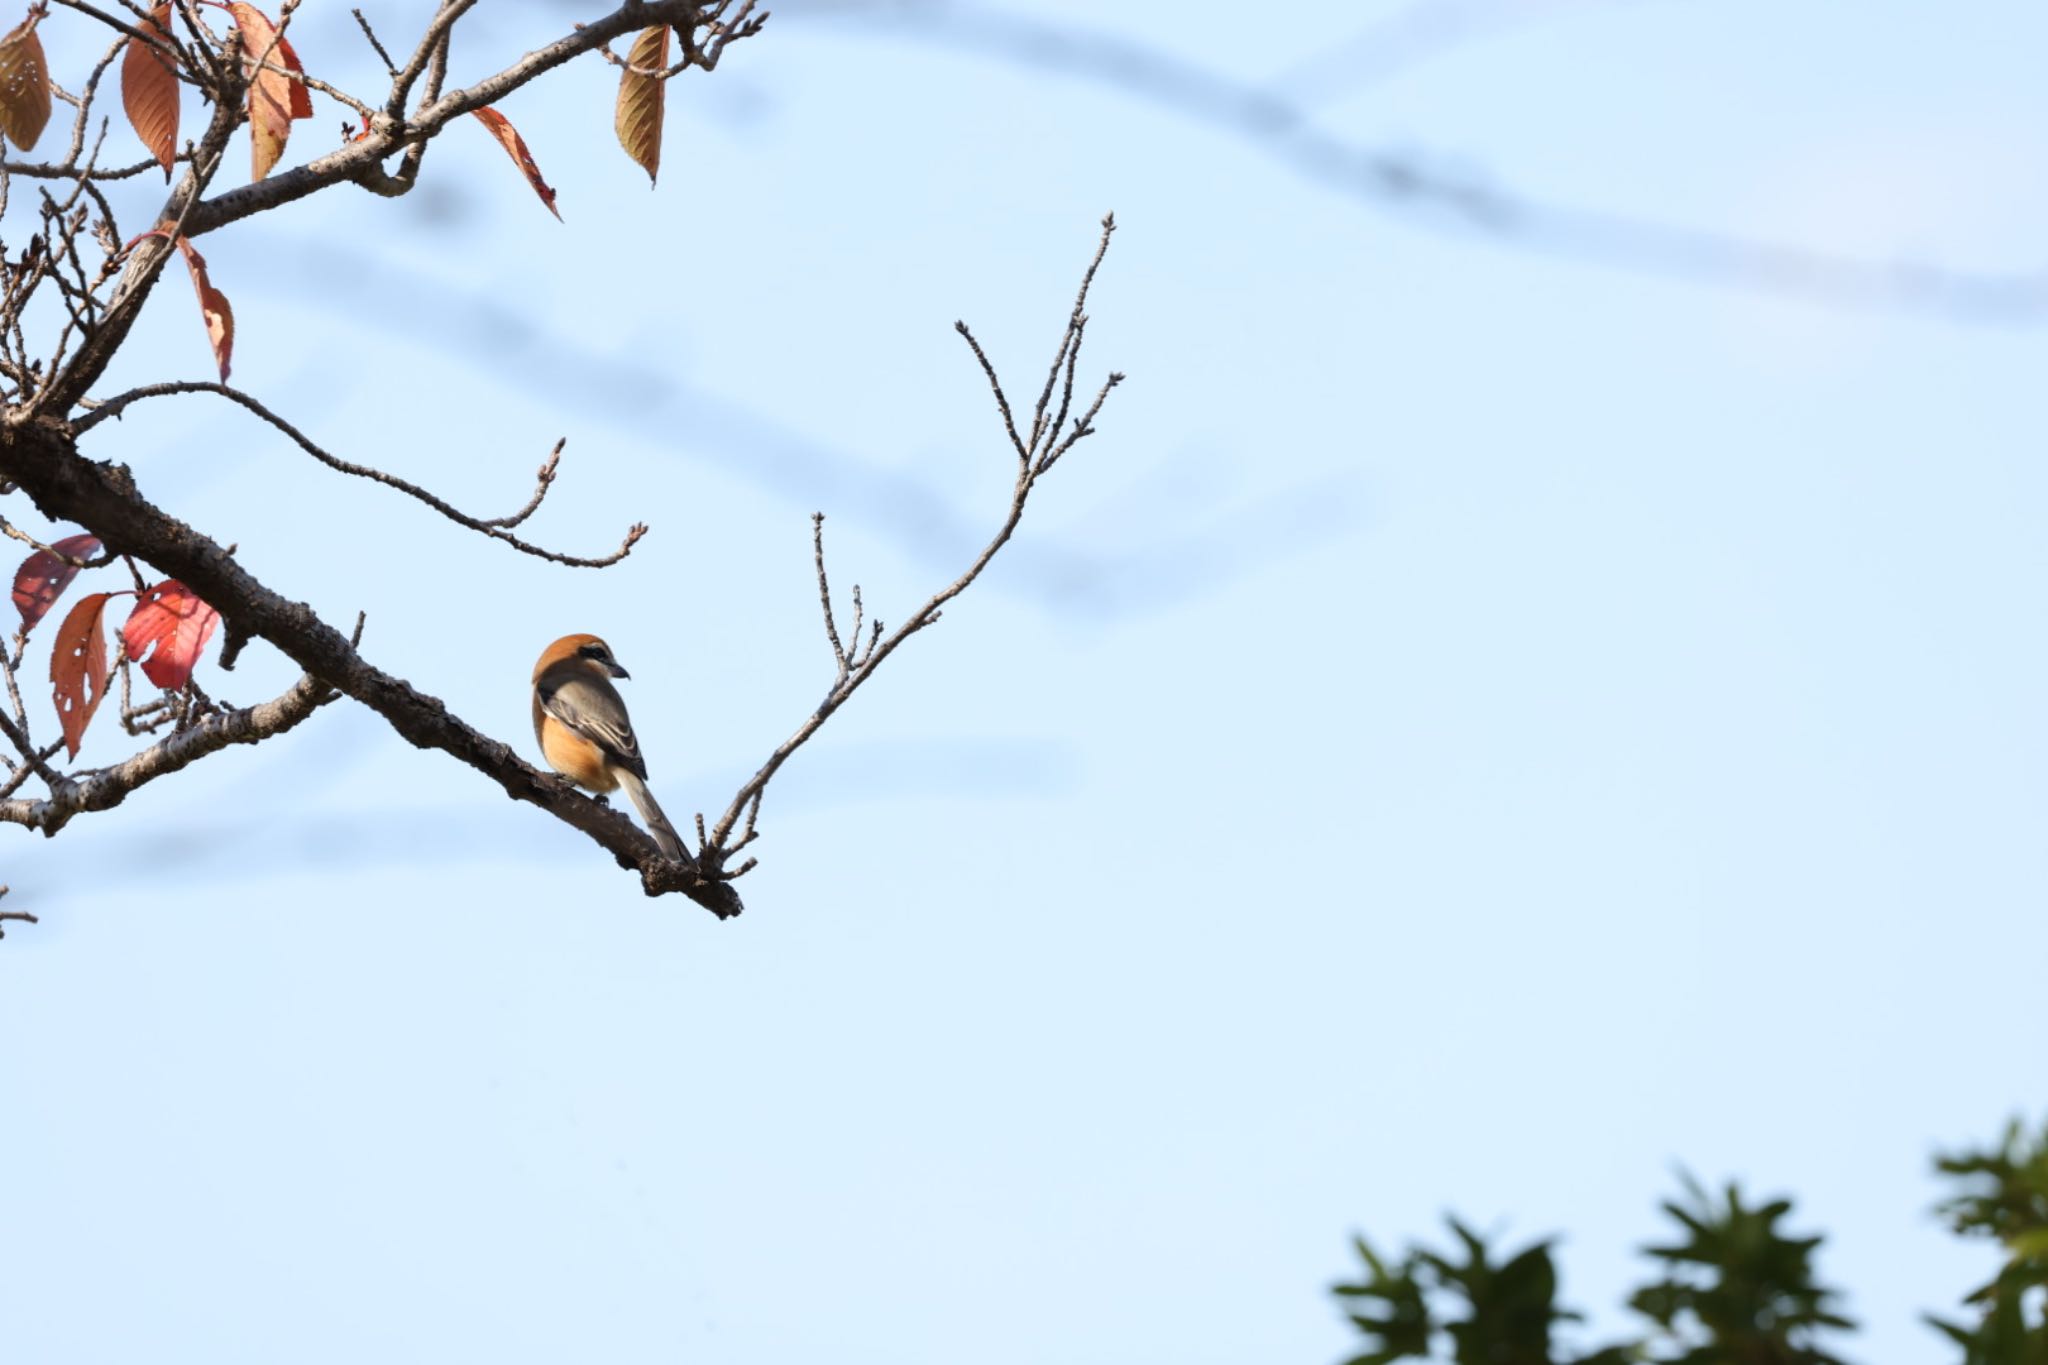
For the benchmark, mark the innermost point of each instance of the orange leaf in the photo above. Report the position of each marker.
(213, 308)
(78, 668)
(42, 577)
(515, 147)
(638, 119)
(302, 98)
(149, 90)
(271, 100)
(167, 632)
(24, 84)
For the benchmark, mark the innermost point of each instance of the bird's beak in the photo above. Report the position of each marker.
(616, 670)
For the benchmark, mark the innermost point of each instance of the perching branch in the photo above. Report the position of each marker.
(39, 456)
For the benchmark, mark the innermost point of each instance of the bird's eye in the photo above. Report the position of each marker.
(592, 651)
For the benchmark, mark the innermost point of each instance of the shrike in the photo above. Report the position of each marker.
(580, 720)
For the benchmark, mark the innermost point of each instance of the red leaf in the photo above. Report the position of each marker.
(42, 577)
(78, 668)
(24, 84)
(274, 97)
(213, 309)
(637, 119)
(149, 91)
(515, 147)
(167, 631)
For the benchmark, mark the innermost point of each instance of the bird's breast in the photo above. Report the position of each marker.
(575, 757)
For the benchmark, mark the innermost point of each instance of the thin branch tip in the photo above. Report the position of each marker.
(856, 667)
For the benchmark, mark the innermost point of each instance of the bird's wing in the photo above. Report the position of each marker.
(592, 707)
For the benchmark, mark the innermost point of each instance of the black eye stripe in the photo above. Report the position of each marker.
(592, 651)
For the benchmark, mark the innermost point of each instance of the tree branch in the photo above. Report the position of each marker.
(857, 667)
(497, 528)
(389, 131)
(38, 455)
(189, 214)
(145, 263)
(105, 788)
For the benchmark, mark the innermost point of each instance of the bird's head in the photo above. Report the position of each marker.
(587, 648)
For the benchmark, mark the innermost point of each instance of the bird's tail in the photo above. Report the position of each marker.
(650, 810)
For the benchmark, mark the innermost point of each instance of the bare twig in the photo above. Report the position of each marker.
(851, 673)
(28, 770)
(108, 787)
(22, 915)
(390, 67)
(36, 757)
(143, 265)
(543, 480)
(430, 41)
(437, 73)
(825, 594)
(119, 25)
(1002, 399)
(496, 528)
(84, 103)
(9, 528)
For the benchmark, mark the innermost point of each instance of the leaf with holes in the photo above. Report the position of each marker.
(275, 99)
(78, 668)
(43, 576)
(515, 147)
(24, 84)
(149, 89)
(167, 632)
(213, 309)
(638, 119)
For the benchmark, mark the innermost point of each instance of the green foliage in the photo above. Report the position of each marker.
(1389, 1306)
(1490, 1313)
(1737, 1290)
(2003, 1194)
(1733, 1287)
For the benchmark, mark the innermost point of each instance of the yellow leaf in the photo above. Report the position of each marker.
(640, 100)
(271, 97)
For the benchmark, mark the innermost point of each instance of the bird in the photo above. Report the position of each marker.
(580, 720)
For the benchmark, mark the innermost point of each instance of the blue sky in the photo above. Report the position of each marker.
(1476, 729)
